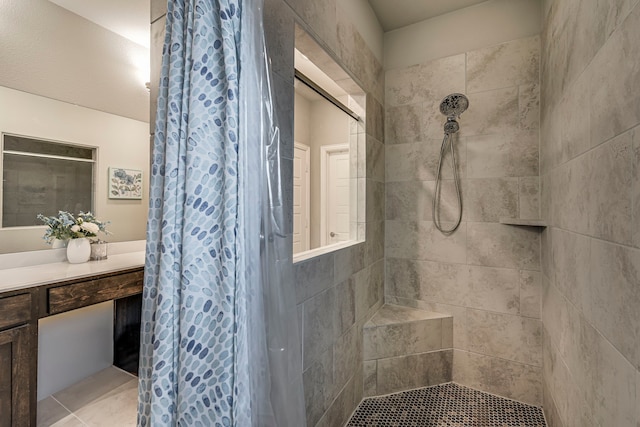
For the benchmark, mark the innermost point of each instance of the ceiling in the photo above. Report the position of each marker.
(128, 18)
(400, 13)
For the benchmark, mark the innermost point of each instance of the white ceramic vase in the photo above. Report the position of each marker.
(78, 250)
(58, 244)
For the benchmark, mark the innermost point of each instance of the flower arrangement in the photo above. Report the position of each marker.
(65, 226)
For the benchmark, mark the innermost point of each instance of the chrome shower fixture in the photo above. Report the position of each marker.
(452, 106)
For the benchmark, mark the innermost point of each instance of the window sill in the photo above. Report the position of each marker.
(303, 256)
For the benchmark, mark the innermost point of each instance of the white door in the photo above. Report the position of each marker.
(301, 200)
(335, 200)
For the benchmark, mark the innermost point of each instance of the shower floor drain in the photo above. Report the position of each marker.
(445, 405)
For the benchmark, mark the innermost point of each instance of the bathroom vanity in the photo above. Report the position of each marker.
(31, 293)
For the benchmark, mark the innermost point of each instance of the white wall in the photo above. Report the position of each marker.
(121, 142)
(74, 345)
(49, 51)
(485, 24)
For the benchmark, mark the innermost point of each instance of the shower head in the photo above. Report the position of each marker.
(453, 105)
(451, 126)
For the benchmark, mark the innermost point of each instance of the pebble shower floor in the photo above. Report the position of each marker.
(445, 405)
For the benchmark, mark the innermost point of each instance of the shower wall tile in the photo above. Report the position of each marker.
(417, 370)
(493, 289)
(635, 188)
(402, 339)
(375, 159)
(340, 410)
(375, 242)
(313, 276)
(615, 105)
(375, 121)
(158, 8)
(571, 253)
(425, 82)
(419, 161)
(496, 245)
(529, 197)
(347, 355)
(513, 155)
(575, 130)
(611, 176)
(405, 123)
(374, 201)
(530, 293)
(320, 325)
(347, 262)
(491, 112)
(615, 387)
(422, 241)
(488, 200)
(157, 41)
(353, 52)
(615, 274)
(279, 24)
(529, 106)
(427, 281)
(504, 65)
(503, 377)
(318, 387)
(345, 305)
(485, 267)
(320, 18)
(505, 336)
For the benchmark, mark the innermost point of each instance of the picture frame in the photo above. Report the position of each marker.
(125, 183)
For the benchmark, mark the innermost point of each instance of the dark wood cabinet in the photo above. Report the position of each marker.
(19, 314)
(15, 361)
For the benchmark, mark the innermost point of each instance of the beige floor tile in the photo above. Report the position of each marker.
(115, 408)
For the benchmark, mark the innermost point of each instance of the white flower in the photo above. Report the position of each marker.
(90, 227)
(75, 228)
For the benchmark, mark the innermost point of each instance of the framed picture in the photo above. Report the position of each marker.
(125, 183)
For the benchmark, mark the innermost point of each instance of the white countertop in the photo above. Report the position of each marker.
(42, 274)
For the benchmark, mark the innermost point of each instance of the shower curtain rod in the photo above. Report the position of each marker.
(326, 95)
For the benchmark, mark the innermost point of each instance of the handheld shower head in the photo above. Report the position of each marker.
(454, 105)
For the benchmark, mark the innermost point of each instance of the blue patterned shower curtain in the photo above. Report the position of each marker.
(220, 345)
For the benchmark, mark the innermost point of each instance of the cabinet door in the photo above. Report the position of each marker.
(14, 377)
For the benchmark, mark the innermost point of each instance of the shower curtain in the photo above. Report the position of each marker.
(220, 343)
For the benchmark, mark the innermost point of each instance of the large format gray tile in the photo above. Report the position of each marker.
(52, 413)
(313, 276)
(92, 388)
(571, 255)
(320, 325)
(428, 281)
(529, 104)
(609, 183)
(635, 189)
(509, 337)
(405, 124)
(318, 387)
(489, 199)
(491, 112)
(402, 339)
(418, 370)
(615, 274)
(279, 40)
(118, 407)
(529, 197)
(494, 289)
(421, 240)
(425, 82)
(498, 245)
(514, 154)
(615, 387)
(320, 17)
(504, 65)
(530, 293)
(615, 105)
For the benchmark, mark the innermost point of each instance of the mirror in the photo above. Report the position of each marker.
(74, 72)
(328, 162)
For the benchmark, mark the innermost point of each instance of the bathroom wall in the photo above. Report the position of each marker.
(336, 292)
(485, 274)
(590, 193)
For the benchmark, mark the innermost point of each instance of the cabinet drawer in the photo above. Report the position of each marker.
(82, 294)
(15, 310)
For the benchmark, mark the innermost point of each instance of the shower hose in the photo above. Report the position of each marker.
(446, 142)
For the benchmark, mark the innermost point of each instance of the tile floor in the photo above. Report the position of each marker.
(108, 398)
(445, 405)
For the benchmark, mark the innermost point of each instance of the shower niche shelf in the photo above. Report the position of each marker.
(524, 222)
